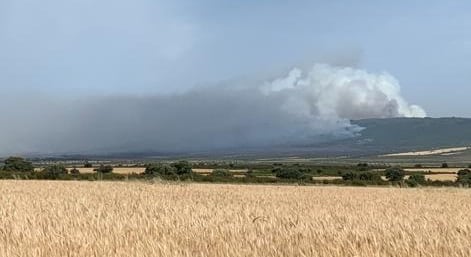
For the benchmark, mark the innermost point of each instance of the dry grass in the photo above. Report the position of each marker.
(444, 151)
(211, 170)
(442, 177)
(436, 170)
(41, 218)
(326, 178)
(119, 170)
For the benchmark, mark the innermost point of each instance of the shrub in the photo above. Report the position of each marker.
(250, 174)
(370, 176)
(104, 169)
(464, 176)
(364, 176)
(74, 171)
(394, 174)
(18, 164)
(444, 165)
(182, 167)
(55, 170)
(88, 165)
(289, 174)
(362, 166)
(221, 173)
(349, 176)
(464, 172)
(419, 178)
(160, 169)
(411, 183)
(415, 180)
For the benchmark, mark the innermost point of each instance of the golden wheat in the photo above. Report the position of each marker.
(46, 218)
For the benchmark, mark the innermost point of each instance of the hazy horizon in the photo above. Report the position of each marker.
(95, 76)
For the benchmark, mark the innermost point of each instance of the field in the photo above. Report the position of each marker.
(51, 218)
(444, 151)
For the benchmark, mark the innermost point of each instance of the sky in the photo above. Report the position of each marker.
(154, 46)
(83, 52)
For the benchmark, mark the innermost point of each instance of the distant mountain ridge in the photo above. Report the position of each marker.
(379, 136)
(388, 135)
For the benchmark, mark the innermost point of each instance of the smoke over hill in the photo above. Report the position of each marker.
(302, 107)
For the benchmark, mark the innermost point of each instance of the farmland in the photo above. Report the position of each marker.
(71, 218)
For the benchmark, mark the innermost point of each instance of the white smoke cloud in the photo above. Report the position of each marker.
(344, 93)
(303, 108)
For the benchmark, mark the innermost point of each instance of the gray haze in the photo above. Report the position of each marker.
(300, 107)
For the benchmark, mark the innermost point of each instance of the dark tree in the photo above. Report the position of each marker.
(464, 176)
(182, 167)
(74, 171)
(18, 164)
(160, 169)
(287, 173)
(104, 169)
(415, 180)
(394, 174)
(55, 170)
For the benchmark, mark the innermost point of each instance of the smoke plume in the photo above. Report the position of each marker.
(301, 108)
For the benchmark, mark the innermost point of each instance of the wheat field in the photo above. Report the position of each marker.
(48, 218)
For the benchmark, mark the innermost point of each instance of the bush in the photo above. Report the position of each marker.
(160, 169)
(289, 174)
(419, 178)
(74, 171)
(104, 169)
(182, 167)
(362, 166)
(17, 164)
(415, 180)
(349, 176)
(444, 165)
(250, 174)
(88, 165)
(464, 172)
(55, 169)
(364, 176)
(394, 174)
(464, 176)
(221, 173)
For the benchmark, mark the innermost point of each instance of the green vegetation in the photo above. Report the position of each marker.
(55, 169)
(221, 173)
(416, 180)
(394, 174)
(17, 164)
(74, 171)
(182, 168)
(464, 177)
(405, 134)
(361, 174)
(104, 169)
(160, 169)
(289, 173)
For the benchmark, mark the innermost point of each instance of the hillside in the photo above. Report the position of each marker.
(398, 134)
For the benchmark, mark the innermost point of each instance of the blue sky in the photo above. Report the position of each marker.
(82, 47)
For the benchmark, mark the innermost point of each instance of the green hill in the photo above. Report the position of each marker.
(387, 135)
